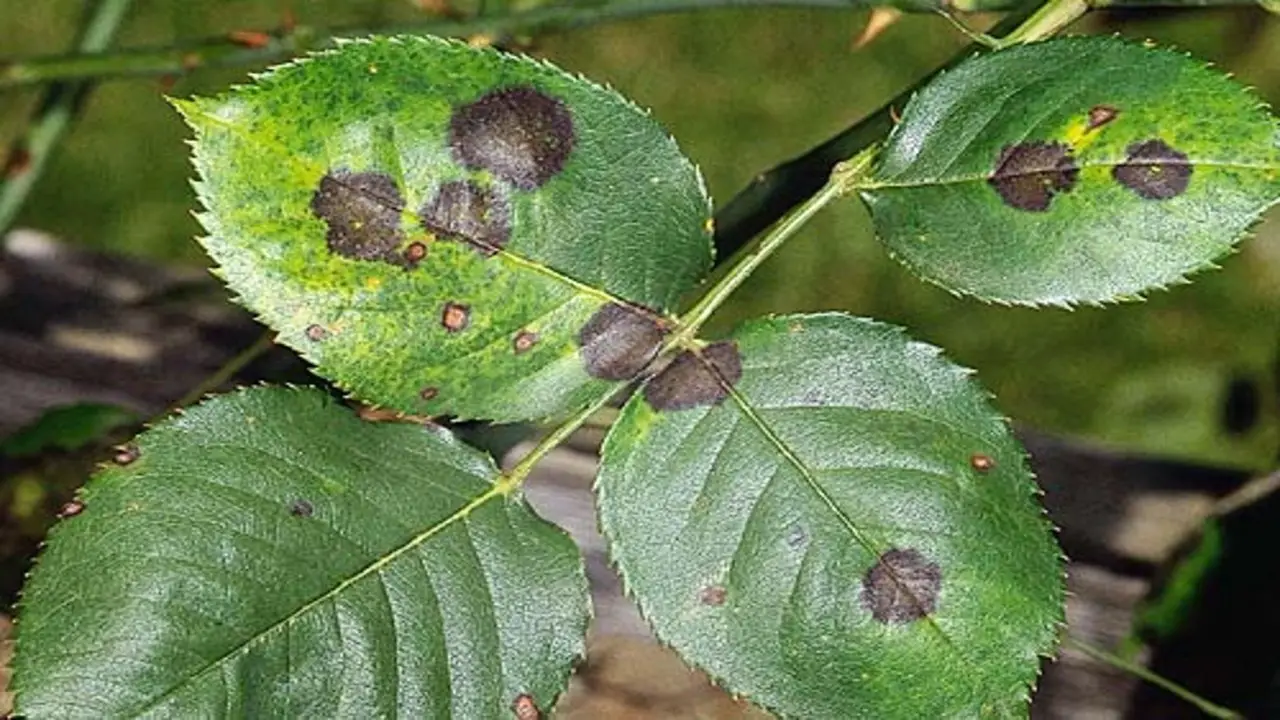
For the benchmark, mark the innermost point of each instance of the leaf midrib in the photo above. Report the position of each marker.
(812, 482)
(960, 179)
(495, 491)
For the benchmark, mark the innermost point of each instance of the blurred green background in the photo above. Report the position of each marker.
(743, 90)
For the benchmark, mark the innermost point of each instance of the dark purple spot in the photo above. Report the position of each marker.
(696, 379)
(524, 341)
(316, 333)
(619, 341)
(463, 211)
(455, 317)
(1100, 115)
(362, 210)
(520, 134)
(126, 454)
(301, 508)
(1154, 170)
(902, 587)
(1028, 175)
(713, 595)
(981, 463)
(526, 708)
(71, 509)
(429, 393)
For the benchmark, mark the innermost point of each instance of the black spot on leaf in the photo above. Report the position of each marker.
(428, 393)
(902, 587)
(1100, 115)
(696, 379)
(71, 509)
(520, 134)
(316, 333)
(619, 341)
(1028, 175)
(462, 210)
(1154, 170)
(362, 210)
(455, 317)
(796, 536)
(301, 508)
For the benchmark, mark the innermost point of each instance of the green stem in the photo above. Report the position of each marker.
(1052, 17)
(1206, 707)
(514, 477)
(843, 179)
(284, 43)
(227, 371)
(57, 109)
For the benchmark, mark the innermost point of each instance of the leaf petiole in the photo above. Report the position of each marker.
(844, 178)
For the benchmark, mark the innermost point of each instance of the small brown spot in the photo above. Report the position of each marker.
(1028, 175)
(902, 587)
(981, 463)
(696, 379)
(619, 341)
(462, 210)
(301, 508)
(190, 61)
(316, 333)
(1100, 115)
(18, 162)
(1154, 170)
(526, 708)
(71, 509)
(524, 341)
(520, 134)
(455, 317)
(429, 393)
(713, 595)
(362, 210)
(414, 253)
(126, 454)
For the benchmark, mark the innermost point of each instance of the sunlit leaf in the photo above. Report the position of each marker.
(1073, 170)
(267, 554)
(436, 226)
(849, 532)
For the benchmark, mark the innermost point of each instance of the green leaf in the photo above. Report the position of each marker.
(1080, 170)
(850, 533)
(435, 225)
(267, 554)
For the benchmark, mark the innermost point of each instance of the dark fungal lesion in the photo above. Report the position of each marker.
(1154, 170)
(1028, 175)
(362, 211)
(619, 341)
(696, 378)
(520, 134)
(902, 586)
(455, 317)
(462, 210)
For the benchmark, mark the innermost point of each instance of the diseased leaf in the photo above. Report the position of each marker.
(1079, 170)
(435, 225)
(266, 554)
(841, 528)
